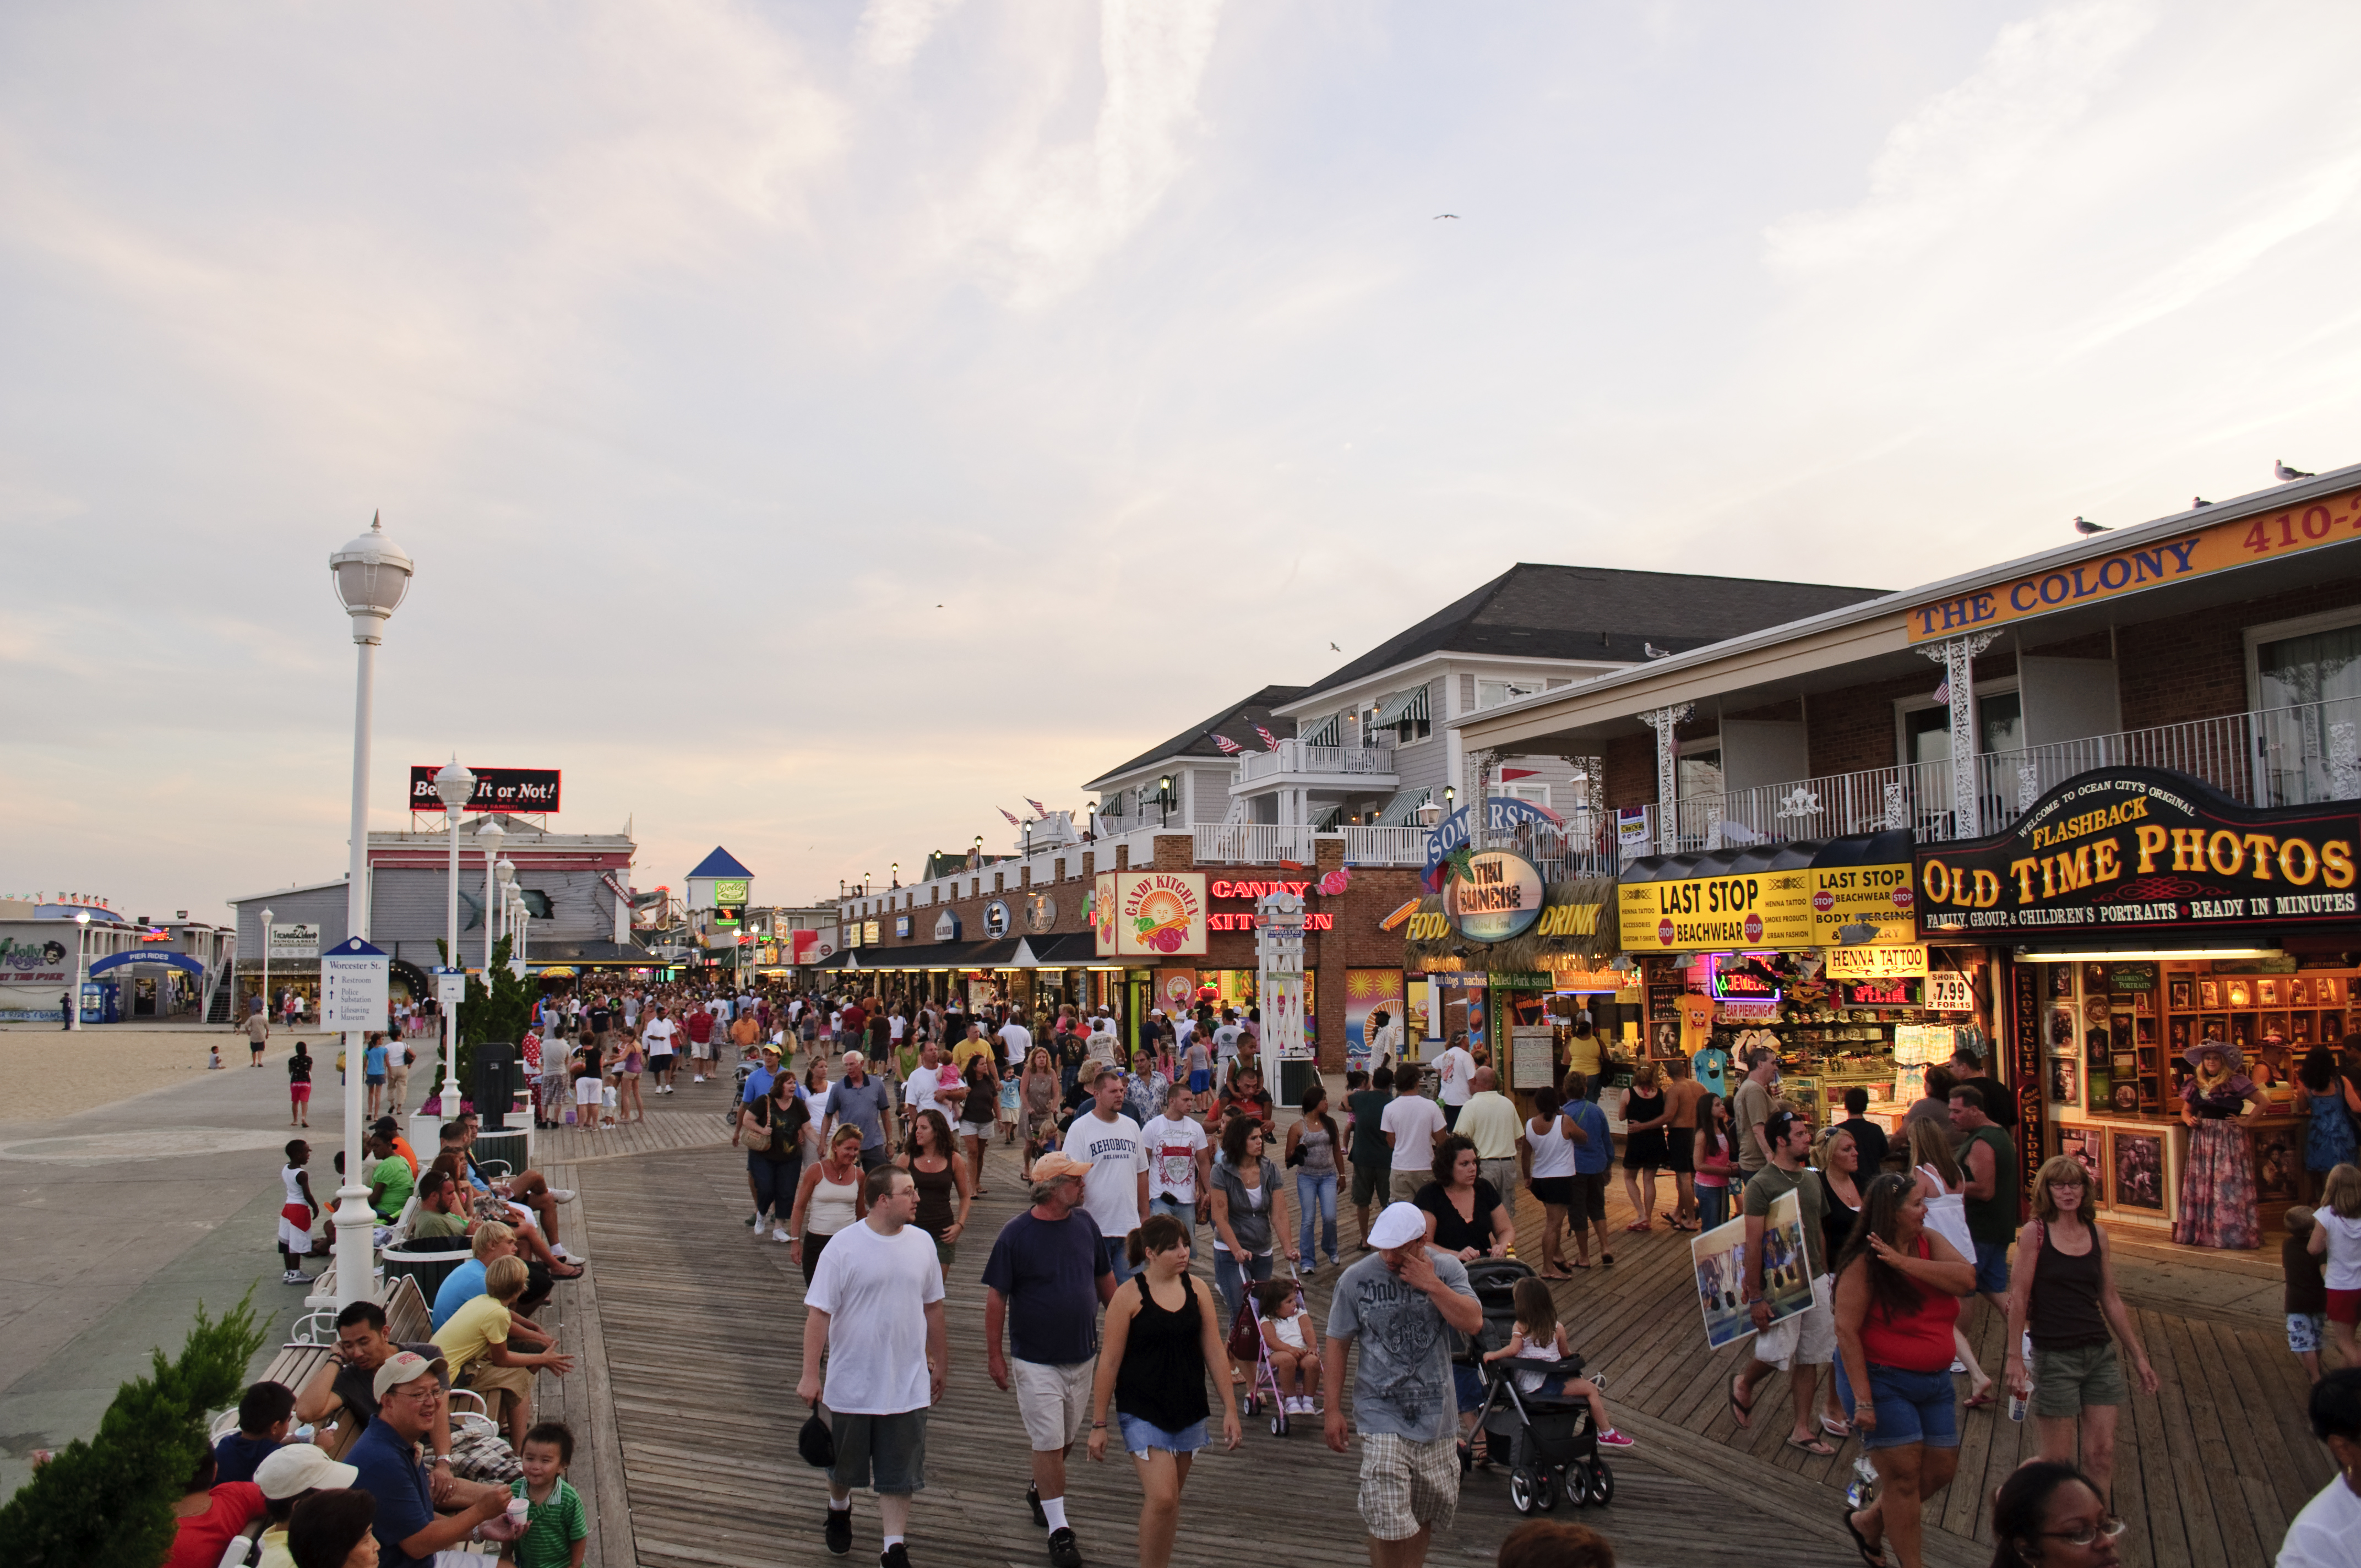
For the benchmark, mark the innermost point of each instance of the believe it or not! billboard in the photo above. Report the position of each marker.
(497, 789)
(1149, 913)
(2142, 849)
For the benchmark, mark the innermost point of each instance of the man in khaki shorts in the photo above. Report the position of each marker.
(1411, 1124)
(1048, 1262)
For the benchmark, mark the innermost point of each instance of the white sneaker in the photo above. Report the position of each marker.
(562, 1194)
(1957, 1366)
(779, 1233)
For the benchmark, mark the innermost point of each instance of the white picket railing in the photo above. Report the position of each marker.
(1295, 757)
(1253, 843)
(1384, 846)
(2285, 756)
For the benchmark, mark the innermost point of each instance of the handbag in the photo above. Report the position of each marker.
(814, 1441)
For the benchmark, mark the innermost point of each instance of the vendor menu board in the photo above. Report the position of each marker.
(1753, 909)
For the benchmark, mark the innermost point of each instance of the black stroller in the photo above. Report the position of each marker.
(1553, 1443)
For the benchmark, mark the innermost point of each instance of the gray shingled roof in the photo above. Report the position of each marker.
(1594, 612)
(1236, 721)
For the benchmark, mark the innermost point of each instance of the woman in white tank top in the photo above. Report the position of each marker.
(828, 1199)
(1944, 1190)
(1548, 1155)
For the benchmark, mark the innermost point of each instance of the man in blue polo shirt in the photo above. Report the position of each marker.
(409, 1389)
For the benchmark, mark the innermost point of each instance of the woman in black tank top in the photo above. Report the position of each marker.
(1162, 1334)
(2062, 1294)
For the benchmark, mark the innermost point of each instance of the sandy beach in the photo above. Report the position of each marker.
(47, 1072)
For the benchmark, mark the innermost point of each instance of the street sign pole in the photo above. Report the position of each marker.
(355, 986)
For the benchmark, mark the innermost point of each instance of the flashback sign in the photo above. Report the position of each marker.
(355, 986)
(497, 789)
(2140, 849)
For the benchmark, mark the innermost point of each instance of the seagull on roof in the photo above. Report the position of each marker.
(1653, 651)
(2084, 525)
(2196, 501)
(2279, 467)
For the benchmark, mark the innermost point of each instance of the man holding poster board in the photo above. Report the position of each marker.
(1797, 1343)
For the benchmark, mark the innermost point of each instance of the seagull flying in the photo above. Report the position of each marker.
(2196, 501)
(2285, 473)
(2084, 525)
(1440, 216)
(1333, 649)
(1653, 651)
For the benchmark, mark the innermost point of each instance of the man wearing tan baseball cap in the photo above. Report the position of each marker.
(287, 1475)
(409, 1529)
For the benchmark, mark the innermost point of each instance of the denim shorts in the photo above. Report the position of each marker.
(1139, 1436)
(1912, 1407)
(1991, 1268)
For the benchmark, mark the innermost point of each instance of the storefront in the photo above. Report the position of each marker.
(1517, 963)
(2138, 913)
(1808, 947)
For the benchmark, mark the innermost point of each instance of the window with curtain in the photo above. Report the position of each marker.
(2308, 689)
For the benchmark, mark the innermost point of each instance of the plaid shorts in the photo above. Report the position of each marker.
(1407, 1486)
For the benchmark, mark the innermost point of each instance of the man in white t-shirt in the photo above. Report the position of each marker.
(875, 1310)
(658, 1039)
(1413, 1124)
(1015, 1041)
(1457, 1067)
(1225, 1044)
(1115, 1192)
(1180, 1159)
(935, 1086)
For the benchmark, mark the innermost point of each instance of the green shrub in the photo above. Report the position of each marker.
(109, 1501)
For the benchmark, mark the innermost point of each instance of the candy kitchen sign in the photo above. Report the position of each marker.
(2142, 849)
(1149, 913)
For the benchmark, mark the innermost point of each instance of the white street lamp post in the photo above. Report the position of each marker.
(266, 966)
(372, 575)
(454, 785)
(489, 835)
(75, 1007)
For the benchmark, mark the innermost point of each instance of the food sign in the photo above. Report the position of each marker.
(1150, 914)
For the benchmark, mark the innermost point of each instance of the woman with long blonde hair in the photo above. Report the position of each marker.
(1944, 1186)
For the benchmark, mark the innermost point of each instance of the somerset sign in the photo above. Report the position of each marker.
(497, 789)
(2142, 849)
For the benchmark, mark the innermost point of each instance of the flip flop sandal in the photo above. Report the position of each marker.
(1981, 1401)
(1816, 1447)
(1641, 1225)
(1873, 1555)
(1743, 1413)
(1836, 1429)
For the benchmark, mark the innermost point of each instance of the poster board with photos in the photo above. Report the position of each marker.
(1719, 1259)
(2136, 1169)
(2087, 1147)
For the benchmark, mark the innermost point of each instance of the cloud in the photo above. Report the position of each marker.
(892, 32)
(1966, 148)
(1042, 217)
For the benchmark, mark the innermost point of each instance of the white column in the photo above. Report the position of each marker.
(355, 1257)
(1665, 722)
(1957, 655)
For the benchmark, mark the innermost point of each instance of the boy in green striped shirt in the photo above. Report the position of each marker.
(557, 1530)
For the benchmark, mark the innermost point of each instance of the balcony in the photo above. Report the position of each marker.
(1298, 763)
(2286, 756)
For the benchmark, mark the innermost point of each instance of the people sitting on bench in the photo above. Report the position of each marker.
(341, 1390)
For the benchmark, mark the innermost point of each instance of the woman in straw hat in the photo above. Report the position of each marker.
(2217, 1182)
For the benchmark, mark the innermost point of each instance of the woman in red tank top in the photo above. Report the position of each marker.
(1897, 1297)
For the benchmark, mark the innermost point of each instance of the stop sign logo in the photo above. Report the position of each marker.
(1824, 901)
(1664, 932)
(1902, 898)
(1754, 927)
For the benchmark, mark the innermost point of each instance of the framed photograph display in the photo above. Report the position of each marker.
(2279, 1165)
(2328, 990)
(2136, 1163)
(2087, 1147)
(2065, 1082)
(2178, 993)
(2209, 994)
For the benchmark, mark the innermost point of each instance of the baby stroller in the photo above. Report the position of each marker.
(1553, 1443)
(1247, 1343)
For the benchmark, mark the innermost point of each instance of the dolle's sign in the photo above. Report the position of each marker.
(2140, 849)
(497, 789)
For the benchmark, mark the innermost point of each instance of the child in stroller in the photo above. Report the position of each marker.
(1538, 1336)
(1553, 1440)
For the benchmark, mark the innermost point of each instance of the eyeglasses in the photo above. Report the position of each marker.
(2083, 1535)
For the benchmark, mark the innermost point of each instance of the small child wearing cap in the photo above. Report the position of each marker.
(557, 1527)
(2306, 1298)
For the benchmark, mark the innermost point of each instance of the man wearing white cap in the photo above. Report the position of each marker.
(1399, 1303)
(287, 1475)
(410, 1532)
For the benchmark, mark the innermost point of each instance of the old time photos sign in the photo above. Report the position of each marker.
(2139, 849)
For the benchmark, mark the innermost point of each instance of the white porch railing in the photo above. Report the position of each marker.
(2286, 756)
(1295, 757)
(1381, 846)
(1253, 843)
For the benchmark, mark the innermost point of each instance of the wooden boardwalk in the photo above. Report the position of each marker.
(690, 1335)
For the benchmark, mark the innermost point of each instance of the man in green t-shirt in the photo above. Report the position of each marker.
(1989, 1162)
(390, 1182)
(1801, 1344)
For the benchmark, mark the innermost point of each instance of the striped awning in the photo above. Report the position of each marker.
(1329, 820)
(1328, 731)
(1401, 709)
(1398, 811)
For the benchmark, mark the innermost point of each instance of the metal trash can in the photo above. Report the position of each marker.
(429, 1269)
(512, 1148)
(1296, 1074)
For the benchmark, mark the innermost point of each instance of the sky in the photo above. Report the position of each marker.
(819, 425)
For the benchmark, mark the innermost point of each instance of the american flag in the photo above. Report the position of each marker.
(1270, 740)
(1229, 747)
(1943, 689)
(1013, 820)
(1039, 809)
